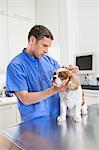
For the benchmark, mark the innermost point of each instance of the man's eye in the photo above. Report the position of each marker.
(45, 45)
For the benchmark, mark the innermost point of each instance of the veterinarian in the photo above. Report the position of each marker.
(29, 77)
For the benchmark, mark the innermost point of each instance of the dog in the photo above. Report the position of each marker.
(72, 102)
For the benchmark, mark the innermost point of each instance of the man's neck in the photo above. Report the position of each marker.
(29, 52)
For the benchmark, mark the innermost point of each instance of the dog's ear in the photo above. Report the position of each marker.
(70, 74)
(73, 84)
(67, 74)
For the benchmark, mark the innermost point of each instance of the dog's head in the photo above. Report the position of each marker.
(60, 75)
(64, 74)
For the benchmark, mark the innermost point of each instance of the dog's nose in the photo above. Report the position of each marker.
(54, 78)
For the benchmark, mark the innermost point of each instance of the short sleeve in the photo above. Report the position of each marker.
(52, 61)
(15, 78)
(57, 66)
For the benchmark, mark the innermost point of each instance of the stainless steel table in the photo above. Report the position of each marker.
(46, 134)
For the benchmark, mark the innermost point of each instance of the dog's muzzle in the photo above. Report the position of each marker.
(54, 78)
(53, 81)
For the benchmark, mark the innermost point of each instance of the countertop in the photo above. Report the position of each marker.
(46, 134)
(8, 100)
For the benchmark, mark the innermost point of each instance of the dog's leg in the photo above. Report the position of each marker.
(63, 110)
(70, 112)
(84, 109)
(77, 117)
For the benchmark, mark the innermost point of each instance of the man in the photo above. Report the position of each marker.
(29, 77)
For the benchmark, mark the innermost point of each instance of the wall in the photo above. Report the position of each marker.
(83, 31)
(52, 14)
(74, 24)
(73, 28)
(16, 19)
(88, 32)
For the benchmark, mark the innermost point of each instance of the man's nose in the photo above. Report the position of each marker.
(46, 50)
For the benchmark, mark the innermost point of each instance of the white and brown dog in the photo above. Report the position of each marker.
(72, 101)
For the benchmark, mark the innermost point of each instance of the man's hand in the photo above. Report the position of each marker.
(74, 69)
(61, 88)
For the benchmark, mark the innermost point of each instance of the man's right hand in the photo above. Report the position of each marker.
(61, 88)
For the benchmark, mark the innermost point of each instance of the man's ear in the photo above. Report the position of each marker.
(33, 39)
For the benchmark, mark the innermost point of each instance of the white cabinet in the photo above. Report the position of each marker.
(21, 8)
(16, 19)
(3, 35)
(21, 18)
(91, 96)
(18, 117)
(17, 35)
(3, 43)
(7, 115)
(47, 13)
(53, 14)
(1, 22)
(3, 6)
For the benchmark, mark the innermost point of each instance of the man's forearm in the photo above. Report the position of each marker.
(34, 97)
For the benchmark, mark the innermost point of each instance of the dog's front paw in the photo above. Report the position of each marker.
(77, 119)
(84, 110)
(60, 119)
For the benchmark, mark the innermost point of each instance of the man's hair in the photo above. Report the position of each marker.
(40, 31)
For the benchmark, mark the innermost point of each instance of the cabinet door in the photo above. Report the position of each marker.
(3, 43)
(22, 8)
(91, 98)
(47, 13)
(1, 22)
(3, 6)
(17, 35)
(7, 115)
(18, 115)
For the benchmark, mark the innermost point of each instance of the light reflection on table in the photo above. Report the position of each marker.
(46, 134)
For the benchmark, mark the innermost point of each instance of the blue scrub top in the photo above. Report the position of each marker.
(27, 73)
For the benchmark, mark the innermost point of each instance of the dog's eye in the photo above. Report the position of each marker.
(61, 75)
(54, 73)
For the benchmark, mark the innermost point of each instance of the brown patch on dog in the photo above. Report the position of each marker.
(65, 74)
(73, 84)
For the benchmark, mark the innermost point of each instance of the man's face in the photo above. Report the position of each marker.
(40, 47)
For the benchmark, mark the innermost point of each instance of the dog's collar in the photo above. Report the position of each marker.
(69, 79)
